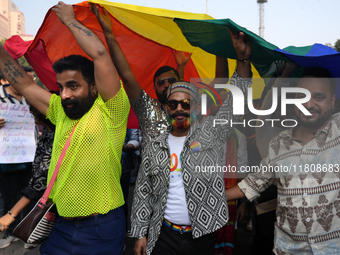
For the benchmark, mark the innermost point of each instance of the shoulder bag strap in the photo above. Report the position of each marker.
(44, 198)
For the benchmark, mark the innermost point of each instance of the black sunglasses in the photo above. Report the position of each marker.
(161, 82)
(173, 104)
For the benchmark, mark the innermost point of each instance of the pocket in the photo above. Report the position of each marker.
(111, 229)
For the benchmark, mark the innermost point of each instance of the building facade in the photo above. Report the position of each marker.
(12, 21)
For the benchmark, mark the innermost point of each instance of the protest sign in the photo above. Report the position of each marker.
(17, 136)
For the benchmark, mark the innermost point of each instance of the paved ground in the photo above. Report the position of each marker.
(242, 245)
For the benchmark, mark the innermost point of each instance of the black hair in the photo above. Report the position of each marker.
(319, 72)
(164, 69)
(76, 63)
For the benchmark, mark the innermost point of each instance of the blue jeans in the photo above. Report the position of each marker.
(99, 234)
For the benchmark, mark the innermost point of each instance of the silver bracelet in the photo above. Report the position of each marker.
(11, 214)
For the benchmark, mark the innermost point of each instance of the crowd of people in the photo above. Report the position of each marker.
(181, 203)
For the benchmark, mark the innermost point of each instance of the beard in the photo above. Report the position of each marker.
(190, 118)
(79, 108)
(162, 97)
(315, 124)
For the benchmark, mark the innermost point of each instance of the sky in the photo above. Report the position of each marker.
(287, 22)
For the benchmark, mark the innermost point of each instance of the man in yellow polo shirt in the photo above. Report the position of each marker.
(87, 191)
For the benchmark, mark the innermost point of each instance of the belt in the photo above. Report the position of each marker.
(179, 228)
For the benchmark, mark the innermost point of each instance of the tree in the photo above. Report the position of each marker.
(329, 45)
(337, 45)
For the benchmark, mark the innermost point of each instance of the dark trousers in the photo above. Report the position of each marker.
(101, 234)
(125, 182)
(263, 241)
(171, 242)
(11, 185)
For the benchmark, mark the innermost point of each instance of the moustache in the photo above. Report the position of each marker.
(180, 114)
(69, 101)
(313, 110)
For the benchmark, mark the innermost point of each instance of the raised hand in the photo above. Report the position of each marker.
(103, 19)
(180, 57)
(64, 12)
(241, 44)
(289, 69)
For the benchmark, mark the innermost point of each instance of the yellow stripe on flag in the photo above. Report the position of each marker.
(157, 25)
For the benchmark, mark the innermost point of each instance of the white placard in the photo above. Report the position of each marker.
(17, 136)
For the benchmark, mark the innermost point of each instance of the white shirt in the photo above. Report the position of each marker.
(176, 210)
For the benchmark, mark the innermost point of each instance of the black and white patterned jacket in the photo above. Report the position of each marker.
(204, 190)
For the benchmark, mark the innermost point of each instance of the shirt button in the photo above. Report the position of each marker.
(312, 241)
(304, 150)
(308, 219)
(163, 203)
(305, 194)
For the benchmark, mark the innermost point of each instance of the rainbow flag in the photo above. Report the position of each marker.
(213, 37)
(146, 36)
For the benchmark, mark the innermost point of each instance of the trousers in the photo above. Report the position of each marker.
(101, 234)
(172, 242)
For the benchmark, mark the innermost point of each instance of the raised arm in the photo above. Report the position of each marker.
(181, 61)
(106, 76)
(23, 83)
(240, 79)
(242, 46)
(132, 86)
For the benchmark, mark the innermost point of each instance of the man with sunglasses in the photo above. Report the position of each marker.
(150, 112)
(178, 202)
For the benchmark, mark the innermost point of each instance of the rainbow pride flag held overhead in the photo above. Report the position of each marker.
(146, 36)
(314, 55)
(213, 37)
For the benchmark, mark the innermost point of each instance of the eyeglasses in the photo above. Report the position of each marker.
(161, 82)
(173, 104)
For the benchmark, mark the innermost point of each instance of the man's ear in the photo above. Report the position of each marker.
(333, 101)
(3, 81)
(93, 88)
